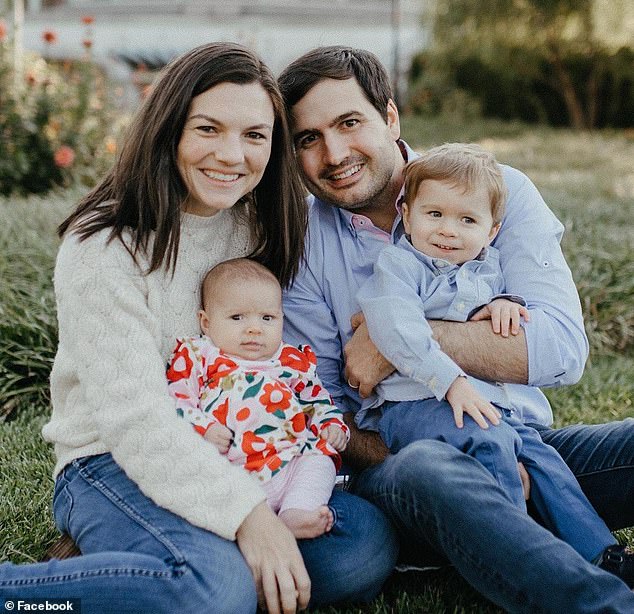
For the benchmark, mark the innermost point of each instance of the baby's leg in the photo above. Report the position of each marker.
(308, 487)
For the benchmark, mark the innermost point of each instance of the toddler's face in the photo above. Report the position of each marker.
(245, 319)
(444, 222)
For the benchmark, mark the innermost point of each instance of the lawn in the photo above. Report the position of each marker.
(588, 180)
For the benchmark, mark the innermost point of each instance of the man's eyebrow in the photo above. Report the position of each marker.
(336, 120)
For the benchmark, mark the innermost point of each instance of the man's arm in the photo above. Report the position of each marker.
(481, 352)
(365, 448)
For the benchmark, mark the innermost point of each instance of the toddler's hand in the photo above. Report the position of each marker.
(220, 436)
(505, 316)
(464, 399)
(335, 437)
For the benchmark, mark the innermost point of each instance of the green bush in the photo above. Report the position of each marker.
(57, 123)
(519, 84)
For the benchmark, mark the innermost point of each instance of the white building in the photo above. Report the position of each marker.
(153, 31)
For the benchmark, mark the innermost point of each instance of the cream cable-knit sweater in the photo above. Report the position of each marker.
(117, 328)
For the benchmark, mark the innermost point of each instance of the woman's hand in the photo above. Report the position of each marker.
(271, 552)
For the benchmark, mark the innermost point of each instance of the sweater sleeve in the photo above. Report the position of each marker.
(111, 338)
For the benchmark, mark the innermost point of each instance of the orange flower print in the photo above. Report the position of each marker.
(221, 367)
(294, 358)
(308, 352)
(276, 396)
(243, 414)
(259, 453)
(299, 422)
(220, 413)
(180, 366)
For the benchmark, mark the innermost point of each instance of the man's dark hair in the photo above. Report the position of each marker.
(337, 62)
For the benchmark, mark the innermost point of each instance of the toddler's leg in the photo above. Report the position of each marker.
(558, 498)
(308, 486)
(496, 448)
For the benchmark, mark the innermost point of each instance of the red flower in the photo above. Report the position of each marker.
(259, 453)
(3, 30)
(299, 422)
(220, 413)
(64, 156)
(276, 396)
(87, 43)
(294, 358)
(180, 366)
(221, 368)
(87, 19)
(49, 37)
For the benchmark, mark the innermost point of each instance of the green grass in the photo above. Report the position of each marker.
(587, 179)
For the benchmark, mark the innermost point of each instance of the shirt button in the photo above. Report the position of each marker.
(460, 306)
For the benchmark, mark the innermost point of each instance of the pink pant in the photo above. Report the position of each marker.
(305, 483)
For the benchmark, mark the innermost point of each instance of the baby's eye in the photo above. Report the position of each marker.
(268, 318)
(236, 316)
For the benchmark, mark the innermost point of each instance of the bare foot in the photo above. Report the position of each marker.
(308, 523)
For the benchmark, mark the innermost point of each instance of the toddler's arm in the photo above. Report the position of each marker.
(505, 316)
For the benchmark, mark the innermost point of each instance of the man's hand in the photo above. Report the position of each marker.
(335, 437)
(220, 436)
(526, 481)
(464, 399)
(505, 316)
(271, 552)
(365, 365)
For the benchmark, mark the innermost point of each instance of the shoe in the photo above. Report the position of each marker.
(619, 561)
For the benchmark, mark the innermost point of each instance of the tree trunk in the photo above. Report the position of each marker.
(566, 87)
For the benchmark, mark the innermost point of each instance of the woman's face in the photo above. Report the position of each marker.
(225, 145)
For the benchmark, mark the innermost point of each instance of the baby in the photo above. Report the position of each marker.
(258, 400)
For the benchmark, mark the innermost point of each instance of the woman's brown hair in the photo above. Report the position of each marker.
(144, 191)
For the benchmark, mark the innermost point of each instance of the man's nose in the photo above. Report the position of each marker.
(335, 150)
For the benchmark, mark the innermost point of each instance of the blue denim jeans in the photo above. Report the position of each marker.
(556, 495)
(138, 557)
(448, 508)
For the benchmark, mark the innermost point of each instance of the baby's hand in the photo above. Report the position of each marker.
(464, 399)
(505, 316)
(220, 436)
(335, 437)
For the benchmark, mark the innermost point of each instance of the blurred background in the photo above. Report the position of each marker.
(547, 85)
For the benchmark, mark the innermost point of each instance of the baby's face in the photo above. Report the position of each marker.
(445, 222)
(245, 319)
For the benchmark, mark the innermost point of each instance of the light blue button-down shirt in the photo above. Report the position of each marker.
(406, 288)
(342, 248)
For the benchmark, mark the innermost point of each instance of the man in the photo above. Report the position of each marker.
(347, 139)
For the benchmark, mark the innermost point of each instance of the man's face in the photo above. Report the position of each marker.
(347, 152)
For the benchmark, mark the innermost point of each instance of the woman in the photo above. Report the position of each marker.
(206, 174)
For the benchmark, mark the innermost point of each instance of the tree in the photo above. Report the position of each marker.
(524, 33)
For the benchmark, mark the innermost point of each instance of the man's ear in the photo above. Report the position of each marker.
(393, 120)
(204, 321)
(494, 231)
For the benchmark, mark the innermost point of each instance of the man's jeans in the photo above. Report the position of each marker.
(138, 557)
(447, 507)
